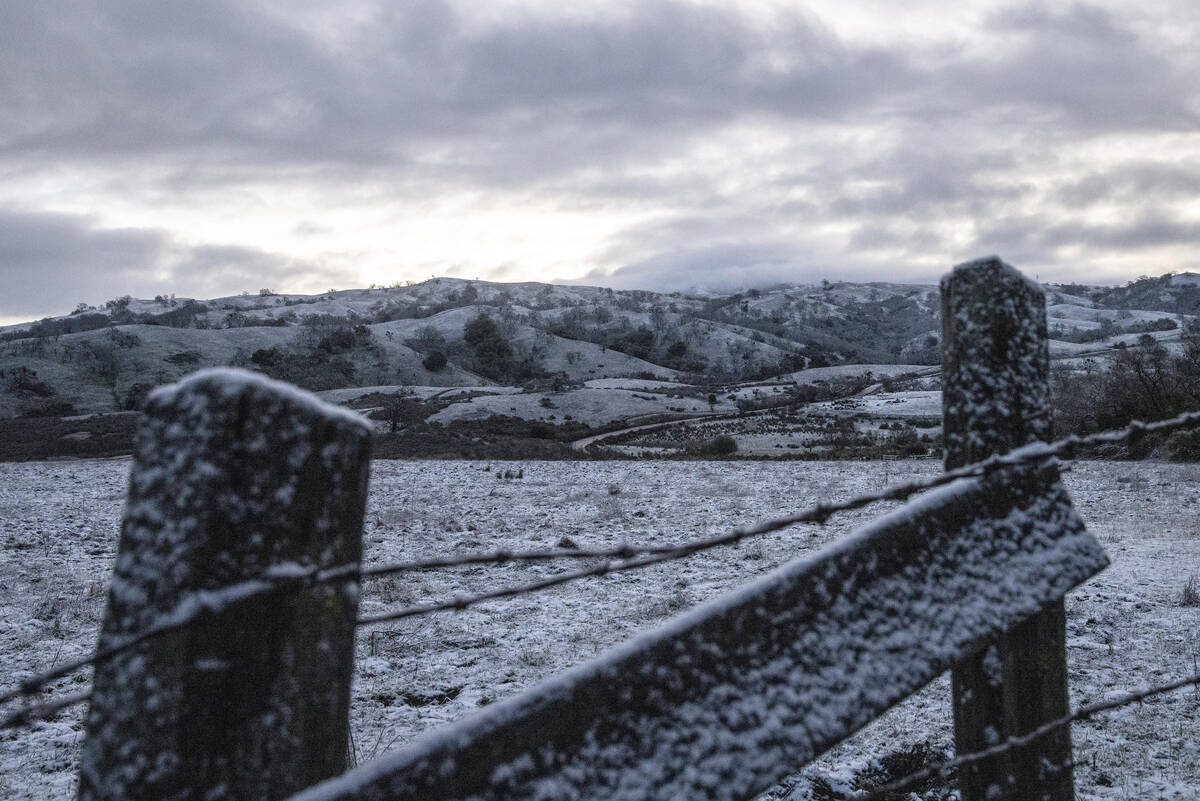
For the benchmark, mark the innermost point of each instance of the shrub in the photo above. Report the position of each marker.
(723, 445)
(889, 768)
(491, 348)
(135, 398)
(55, 407)
(1184, 446)
(435, 361)
(123, 339)
(267, 357)
(541, 431)
(22, 379)
(183, 358)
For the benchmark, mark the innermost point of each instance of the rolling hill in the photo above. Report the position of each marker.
(572, 359)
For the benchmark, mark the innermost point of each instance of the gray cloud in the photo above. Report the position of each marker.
(132, 77)
(1152, 229)
(51, 262)
(1072, 70)
(1054, 246)
(887, 143)
(1139, 182)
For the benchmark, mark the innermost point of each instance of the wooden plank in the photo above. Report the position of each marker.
(738, 693)
(234, 474)
(996, 397)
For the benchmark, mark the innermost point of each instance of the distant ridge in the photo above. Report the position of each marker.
(105, 358)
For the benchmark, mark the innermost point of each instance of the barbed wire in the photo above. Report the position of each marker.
(35, 712)
(1020, 741)
(819, 514)
(631, 557)
(197, 606)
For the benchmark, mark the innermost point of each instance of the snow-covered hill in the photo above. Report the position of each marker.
(103, 359)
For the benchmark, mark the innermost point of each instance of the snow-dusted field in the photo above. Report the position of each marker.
(58, 526)
(916, 403)
(591, 406)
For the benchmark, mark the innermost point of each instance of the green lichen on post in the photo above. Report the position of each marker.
(234, 476)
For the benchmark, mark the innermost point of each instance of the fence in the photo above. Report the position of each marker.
(223, 667)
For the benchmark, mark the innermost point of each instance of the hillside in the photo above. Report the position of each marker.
(103, 359)
(446, 365)
(1174, 292)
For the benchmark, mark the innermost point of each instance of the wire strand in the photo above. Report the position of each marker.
(652, 555)
(631, 557)
(31, 714)
(1020, 741)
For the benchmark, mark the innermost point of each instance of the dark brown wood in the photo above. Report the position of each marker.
(731, 697)
(233, 475)
(996, 397)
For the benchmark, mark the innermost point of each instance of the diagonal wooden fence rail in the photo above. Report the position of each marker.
(235, 474)
(728, 699)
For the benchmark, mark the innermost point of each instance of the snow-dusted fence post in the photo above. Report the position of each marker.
(996, 397)
(235, 477)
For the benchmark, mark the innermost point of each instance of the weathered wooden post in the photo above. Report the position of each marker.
(996, 366)
(234, 475)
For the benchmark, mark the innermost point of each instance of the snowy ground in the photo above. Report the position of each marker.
(58, 524)
(917, 403)
(423, 393)
(814, 374)
(593, 407)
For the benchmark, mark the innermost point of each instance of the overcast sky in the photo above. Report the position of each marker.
(205, 148)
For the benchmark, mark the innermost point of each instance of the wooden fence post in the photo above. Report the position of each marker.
(996, 397)
(233, 475)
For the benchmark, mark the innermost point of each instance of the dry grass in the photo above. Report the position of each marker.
(1190, 595)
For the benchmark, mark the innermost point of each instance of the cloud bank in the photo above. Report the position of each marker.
(653, 143)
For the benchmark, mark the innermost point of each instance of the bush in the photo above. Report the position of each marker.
(1184, 446)
(892, 767)
(183, 358)
(135, 398)
(723, 445)
(56, 407)
(24, 380)
(491, 348)
(1143, 382)
(267, 357)
(435, 361)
